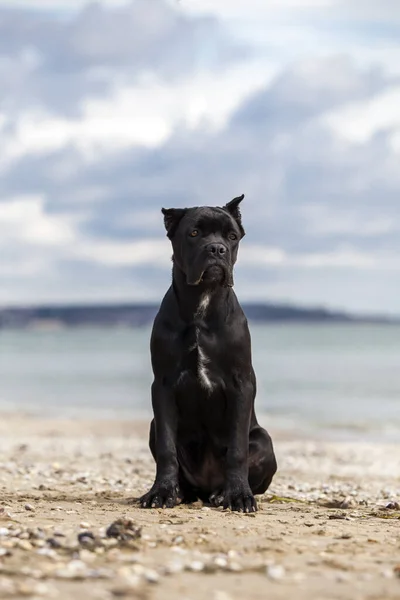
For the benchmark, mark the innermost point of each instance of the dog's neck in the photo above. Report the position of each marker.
(195, 301)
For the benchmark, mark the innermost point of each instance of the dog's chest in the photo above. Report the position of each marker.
(203, 360)
(198, 362)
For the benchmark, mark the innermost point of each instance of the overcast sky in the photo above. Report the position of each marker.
(109, 111)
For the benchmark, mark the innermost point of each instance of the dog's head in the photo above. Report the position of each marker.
(205, 241)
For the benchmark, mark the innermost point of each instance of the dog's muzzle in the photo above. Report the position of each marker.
(212, 265)
(214, 271)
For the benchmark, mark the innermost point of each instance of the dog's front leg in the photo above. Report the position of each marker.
(236, 493)
(165, 490)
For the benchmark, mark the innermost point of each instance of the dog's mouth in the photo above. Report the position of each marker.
(213, 274)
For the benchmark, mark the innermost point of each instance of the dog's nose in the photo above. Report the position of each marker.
(216, 249)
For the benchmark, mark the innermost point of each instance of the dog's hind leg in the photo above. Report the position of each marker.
(262, 461)
(152, 439)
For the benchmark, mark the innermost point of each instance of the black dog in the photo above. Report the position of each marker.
(204, 436)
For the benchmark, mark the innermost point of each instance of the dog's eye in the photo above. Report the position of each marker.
(194, 233)
(232, 236)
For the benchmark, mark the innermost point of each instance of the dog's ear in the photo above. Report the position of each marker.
(233, 209)
(172, 218)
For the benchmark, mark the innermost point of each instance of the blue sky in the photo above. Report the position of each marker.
(111, 110)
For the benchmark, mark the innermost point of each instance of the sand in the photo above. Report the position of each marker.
(329, 527)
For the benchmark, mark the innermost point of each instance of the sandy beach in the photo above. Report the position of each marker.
(329, 527)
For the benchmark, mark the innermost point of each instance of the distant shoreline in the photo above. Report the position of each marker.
(140, 315)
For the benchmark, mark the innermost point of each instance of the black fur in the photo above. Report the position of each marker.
(204, 437)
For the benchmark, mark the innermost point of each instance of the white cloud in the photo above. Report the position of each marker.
(25, 225)
(325, 220)
(359, 121)
(143, 115)
(376, 12)
(395, 140)
(123, 254)
(343, 258)
(58, 4)
(24, 220)
(288, 30)
(385, 9)
(31, 242)
(333, 10)
(256, 9)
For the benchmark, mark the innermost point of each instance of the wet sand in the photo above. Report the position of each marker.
(329, 526)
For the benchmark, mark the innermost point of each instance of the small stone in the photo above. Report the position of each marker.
(124, 572)
(4, 515)
(196, 566)
(393, 506)
(29, 508)
(124, 530)
(49, 552)
(86, 538)
(76, 570)
(129, 583)
(275, 572)
(59, 534)
(36, 589)
(178, 540)
(235, 567)
(174, 567)
(87, 556)
(221, 562)
(84, 525)
(151, 576)
(53, 543)
(36, 534)
(25, 545)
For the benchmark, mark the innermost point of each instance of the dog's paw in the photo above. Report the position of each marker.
(161, 495)
(237, 497)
